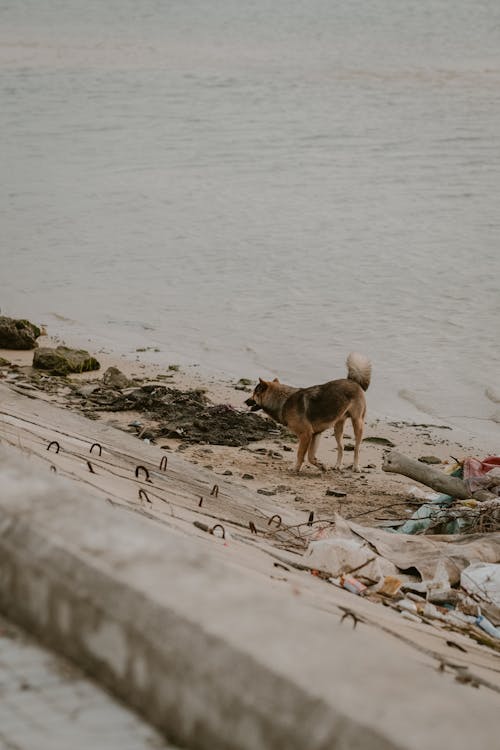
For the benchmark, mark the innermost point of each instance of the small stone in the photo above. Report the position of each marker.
(430, 460)
(370, 466)
(247, 476)
(335, 493)
(379, 441)
(349, 447)
(266, 491)
(227, 473)
(115, 378)
(244, 381)
(287, 448)
(175, 368)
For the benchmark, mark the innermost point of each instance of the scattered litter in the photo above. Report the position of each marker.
(482, 474)
(482, 581)
(487, 626)
(352, 584)
(391, 585)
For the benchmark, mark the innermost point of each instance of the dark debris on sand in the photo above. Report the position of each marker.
(187, 415)
(191, 417)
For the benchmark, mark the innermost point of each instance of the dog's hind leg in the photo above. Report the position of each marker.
(339, 432)
(304, 442)
(357, 426)
(311, 453)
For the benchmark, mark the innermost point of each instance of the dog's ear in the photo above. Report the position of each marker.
(262, 382)
(276, 380)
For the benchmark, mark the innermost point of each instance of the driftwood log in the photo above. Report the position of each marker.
(398, 464)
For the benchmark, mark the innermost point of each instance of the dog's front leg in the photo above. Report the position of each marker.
(304, 440)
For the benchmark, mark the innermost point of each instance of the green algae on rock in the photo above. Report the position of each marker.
(63, 361)
(18, 334)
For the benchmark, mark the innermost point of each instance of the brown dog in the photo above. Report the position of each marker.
(310, 411)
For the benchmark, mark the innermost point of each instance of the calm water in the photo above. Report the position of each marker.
(260, 187)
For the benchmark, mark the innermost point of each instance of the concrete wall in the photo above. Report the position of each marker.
(202, 649)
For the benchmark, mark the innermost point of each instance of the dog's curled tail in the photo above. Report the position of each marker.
(359, 369)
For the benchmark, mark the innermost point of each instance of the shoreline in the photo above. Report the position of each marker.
(267, 465)
(472, 414)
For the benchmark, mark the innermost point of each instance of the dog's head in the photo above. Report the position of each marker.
(257, 399)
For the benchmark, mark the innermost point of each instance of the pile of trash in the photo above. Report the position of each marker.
(453, 579)
(473, 505)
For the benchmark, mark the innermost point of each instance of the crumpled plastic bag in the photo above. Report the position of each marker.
(345, 553)
(483, 474)
(482, 580)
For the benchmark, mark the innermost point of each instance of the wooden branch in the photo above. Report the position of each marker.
(398, 464)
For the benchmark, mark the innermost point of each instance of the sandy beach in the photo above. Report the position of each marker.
(265, 466)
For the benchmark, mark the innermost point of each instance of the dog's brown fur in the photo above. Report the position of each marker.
(310, 411)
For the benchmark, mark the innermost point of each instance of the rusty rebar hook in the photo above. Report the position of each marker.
(215, 490)
(272, 519)
(54, 442)
(138, 470)
(163, 463)
(218, 526)
(144, 495)
(91, 469)
(96, 445)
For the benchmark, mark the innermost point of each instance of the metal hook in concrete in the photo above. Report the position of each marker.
(163, 463)
(272, 519)
(54, 442)
(138, 470)
(215, 490)
(91, 469)
(96, 445)
(144, 495)
(218, 526)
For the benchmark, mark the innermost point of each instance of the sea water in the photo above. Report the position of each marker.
(260, 188)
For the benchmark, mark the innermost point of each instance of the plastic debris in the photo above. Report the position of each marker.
(487, 626)
(482, 580)
(352, 584)
(391, 585)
